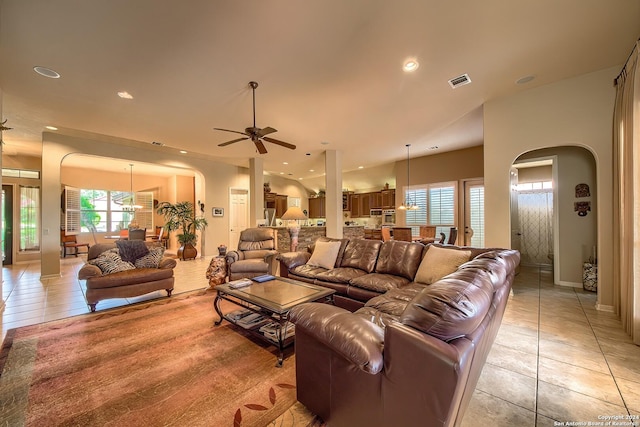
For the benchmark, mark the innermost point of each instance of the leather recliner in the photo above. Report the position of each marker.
(255, 254)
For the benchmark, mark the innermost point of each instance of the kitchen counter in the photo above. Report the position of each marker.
(309, 234)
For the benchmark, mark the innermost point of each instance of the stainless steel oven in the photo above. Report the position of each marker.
(389, 217)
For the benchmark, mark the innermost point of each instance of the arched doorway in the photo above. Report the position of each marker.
(555, 226)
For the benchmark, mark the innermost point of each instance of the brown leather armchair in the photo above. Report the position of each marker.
(255, 255)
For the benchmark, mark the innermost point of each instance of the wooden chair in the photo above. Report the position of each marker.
(427, 233)
(385, 232)
(402, 233)
(161, 236)
(453, 235)
(69, 242)
(138, 234)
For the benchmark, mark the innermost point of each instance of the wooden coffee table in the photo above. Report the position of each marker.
(273, 300)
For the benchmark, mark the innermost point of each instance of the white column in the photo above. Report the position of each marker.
(333, 180)
(256, 191)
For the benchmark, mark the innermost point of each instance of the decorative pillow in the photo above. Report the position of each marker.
(110, 262)
(325, 254)
(152, 259)
(131, 250)
(438, 262)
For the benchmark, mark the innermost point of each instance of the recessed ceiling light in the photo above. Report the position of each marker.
(183, 152)
(300, 179)
(410, 65)
(285, 163)
(525, 79)
(312, 170)
(46, 72)
(281, 173)
(125, 95)
(360, 167)
(51, 127)
(324, 143)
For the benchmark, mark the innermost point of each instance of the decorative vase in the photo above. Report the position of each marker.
(222, 250)
(187, 251)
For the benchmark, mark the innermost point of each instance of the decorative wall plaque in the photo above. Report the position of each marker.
(582, 208)
(582, 190)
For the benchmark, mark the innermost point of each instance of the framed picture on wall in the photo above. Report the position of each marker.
(217, 212)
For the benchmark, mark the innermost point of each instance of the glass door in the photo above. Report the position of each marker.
(7, 224)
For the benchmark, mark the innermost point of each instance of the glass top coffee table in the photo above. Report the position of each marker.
(265, 307)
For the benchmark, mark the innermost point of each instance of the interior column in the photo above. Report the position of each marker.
(256, 192)
(333, 181)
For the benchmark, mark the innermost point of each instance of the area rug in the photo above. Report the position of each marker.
(162, 363)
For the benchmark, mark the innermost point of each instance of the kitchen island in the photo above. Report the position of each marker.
(309, 234)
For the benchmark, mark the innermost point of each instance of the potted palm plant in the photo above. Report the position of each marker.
(181, 216)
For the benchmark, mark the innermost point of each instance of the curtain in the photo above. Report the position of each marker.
(535, 211)
(29, 218)
(626, 238)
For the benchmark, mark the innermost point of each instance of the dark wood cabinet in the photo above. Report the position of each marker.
(355, 205)
(346, 200)
(281, 205)
(317, 207)
(388, 199)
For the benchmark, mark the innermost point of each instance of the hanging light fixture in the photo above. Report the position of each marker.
(132, 208)
(408, 204)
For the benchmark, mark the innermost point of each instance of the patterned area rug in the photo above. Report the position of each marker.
(161, 363)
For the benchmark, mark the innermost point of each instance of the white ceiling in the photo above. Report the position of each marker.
(329, 71)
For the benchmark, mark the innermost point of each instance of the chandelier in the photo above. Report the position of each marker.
(132, 208)
(408, 203)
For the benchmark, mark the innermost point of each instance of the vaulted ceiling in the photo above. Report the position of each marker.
(329, 71)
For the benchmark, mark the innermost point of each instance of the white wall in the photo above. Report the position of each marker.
(576, 111)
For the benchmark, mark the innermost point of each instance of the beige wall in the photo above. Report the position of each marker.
(456, 166)
(290, 188)
(576, 111)
(535, 174)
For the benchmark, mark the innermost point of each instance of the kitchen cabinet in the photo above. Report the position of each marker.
(281, 205)
(355, 205)
(317, 207)
(388, 199)
(365, 205)
(375, 200)
(346, 200)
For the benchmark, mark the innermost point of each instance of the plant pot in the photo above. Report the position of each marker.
(187, 251)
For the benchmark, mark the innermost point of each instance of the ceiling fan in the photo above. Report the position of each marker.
(254, 133)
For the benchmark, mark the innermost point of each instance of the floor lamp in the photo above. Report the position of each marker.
(293, 215)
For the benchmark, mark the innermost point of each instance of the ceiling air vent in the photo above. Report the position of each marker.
(460, 81)
(159, 144)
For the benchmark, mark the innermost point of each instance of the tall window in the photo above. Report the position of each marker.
(108, 211)
(436, 206)
(29, 218)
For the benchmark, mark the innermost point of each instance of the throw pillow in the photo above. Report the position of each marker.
(152, 259)
(110, 262)
(438, 262)
(325, 254)
(131, 250)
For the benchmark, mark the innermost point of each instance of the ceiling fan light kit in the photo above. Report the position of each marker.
(254, 133)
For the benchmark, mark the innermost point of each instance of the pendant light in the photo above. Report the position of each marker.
(408, 204)
(132, 207)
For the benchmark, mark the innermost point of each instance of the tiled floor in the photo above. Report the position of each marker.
(555, 360)
(29, 300)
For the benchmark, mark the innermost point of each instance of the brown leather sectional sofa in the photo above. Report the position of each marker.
(411, 355)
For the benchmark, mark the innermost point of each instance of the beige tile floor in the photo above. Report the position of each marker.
(555, 360)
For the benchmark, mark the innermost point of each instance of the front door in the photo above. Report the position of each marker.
(7, 224)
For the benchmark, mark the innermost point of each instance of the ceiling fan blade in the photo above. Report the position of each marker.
(227, 130)
(260, 146)
(265, 131)
(224, 144)
(282, 143)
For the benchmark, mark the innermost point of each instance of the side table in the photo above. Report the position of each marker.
(217, 271)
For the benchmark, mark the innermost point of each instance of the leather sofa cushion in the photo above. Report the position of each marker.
(340, 275)
(389, 306)
(379, 282)
(129, 277)
(309, 271)
(253, 265)
(400, 258)
(451, 307)
(361, 254)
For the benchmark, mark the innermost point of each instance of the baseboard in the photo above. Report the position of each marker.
(607, 308)
(569, 284)
(50, 276)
